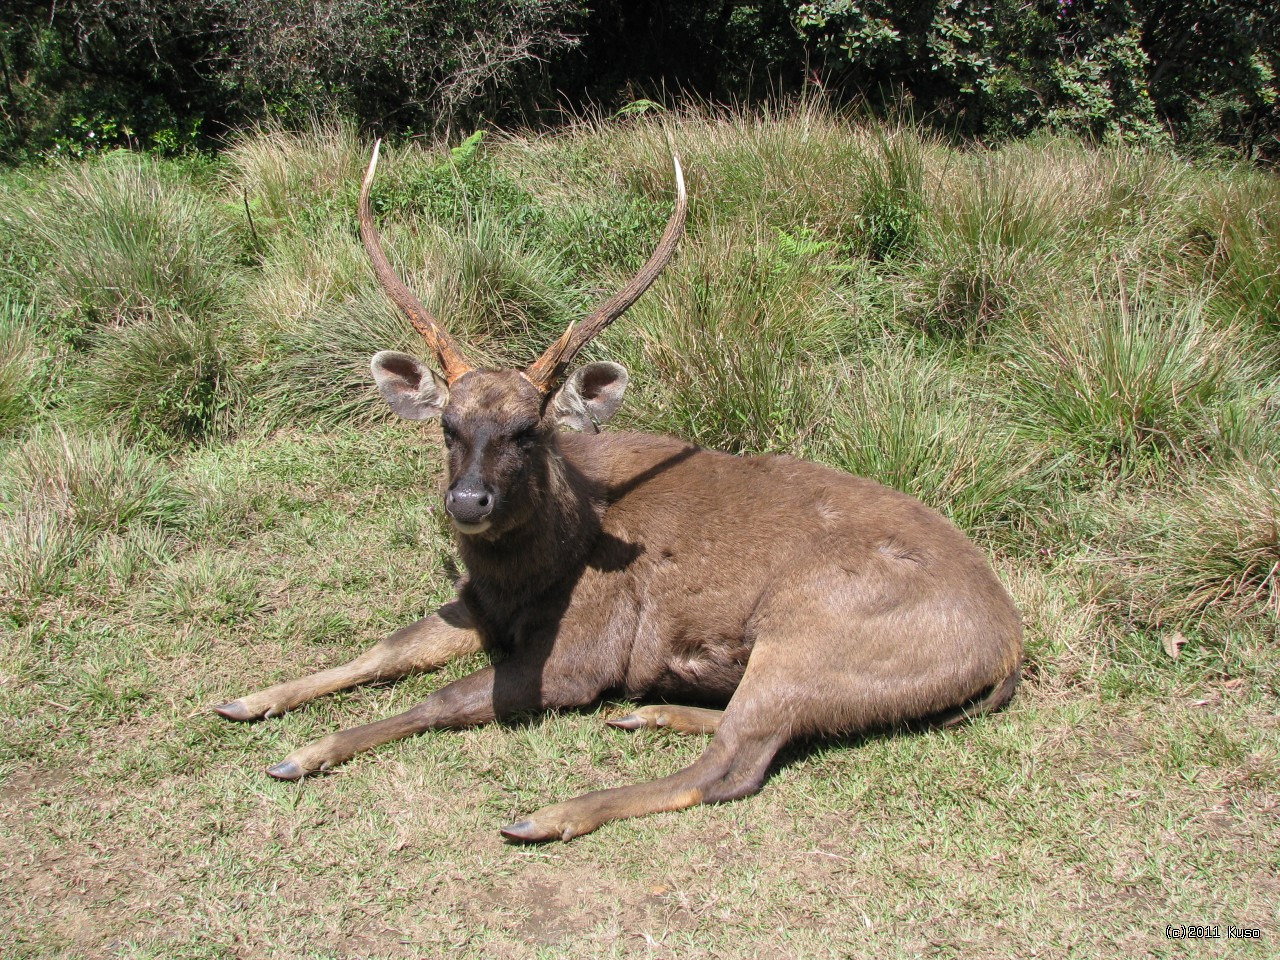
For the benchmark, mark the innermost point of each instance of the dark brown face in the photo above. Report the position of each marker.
(500, 431)
(498, 441)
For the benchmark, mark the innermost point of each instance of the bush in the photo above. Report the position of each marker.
(1203, 69)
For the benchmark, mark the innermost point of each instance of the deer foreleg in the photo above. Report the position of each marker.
(671, 717)
(463, 703)
(425, 645)
(512, 687)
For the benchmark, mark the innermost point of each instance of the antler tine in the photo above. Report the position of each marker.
(448, 355)
(546, 372)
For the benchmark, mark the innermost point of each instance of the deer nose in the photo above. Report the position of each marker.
(469, 504)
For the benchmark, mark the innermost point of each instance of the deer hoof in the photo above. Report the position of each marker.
(286, 770)
(236, 710)
(632, 721)
(529, 831)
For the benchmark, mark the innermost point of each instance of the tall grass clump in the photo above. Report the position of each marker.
(909, 419)
(890, 194)
(1222, 548)
(729, 341)
(167, 380)
(1244, 217)
(497, 290)
(292, 176)
(126, 240)
(1129, 382)
(62, 492)
(792, 167)
(988, 247)
(1208, 552)
(19, 356)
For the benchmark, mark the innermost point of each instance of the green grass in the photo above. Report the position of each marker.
(126, 237)
(1068, 349)
(20, 359)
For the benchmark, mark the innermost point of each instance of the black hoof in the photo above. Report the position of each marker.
(286, 770)
(526, 831)
(235, 710)
(630, 722)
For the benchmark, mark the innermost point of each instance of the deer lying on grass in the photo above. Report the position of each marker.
(805, 600)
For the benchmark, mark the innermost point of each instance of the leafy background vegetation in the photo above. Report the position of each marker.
(80, 76)
(1068, 347)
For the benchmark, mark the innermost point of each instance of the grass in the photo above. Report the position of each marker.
(127, 237)
(19, 363)
(1069, 349)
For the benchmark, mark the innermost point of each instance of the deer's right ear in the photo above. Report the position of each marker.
(413, 389)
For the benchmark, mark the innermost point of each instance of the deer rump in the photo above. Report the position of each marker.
(803, 600)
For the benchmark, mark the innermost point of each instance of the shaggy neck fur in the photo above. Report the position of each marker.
(520, 580)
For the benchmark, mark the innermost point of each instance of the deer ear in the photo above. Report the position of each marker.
(590, 396)
(413, 389)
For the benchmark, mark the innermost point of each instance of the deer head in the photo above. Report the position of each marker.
(499, 425)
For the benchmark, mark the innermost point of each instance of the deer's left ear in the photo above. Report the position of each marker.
(590, 396)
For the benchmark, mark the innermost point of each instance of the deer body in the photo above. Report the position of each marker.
(803, 600)
(698, 555)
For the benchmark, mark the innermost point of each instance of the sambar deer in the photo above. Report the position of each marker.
(803, 600)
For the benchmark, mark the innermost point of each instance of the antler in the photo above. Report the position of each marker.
(546, 372)
(448, 355)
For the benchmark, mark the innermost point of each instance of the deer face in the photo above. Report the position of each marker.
(498, 429)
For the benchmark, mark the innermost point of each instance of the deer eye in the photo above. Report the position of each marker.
(526, 437)
(449, 434)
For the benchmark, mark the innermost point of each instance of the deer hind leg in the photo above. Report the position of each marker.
(671, 717)
(425, 645)
(748, 735)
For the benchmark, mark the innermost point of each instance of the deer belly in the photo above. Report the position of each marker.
(685, 661)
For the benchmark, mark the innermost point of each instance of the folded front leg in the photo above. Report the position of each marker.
(671, 716)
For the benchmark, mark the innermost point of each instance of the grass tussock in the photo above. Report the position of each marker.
(287, 177)
(1243, 223)
(20, 360)
(1207, 554)
(736, 334)
(166, 381)
(127, 239)
(1129, 382)
(61, 493)
(906, 419)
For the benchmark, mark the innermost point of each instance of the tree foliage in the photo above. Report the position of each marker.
(77, 74)
(81, 73)
(1199, 69)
